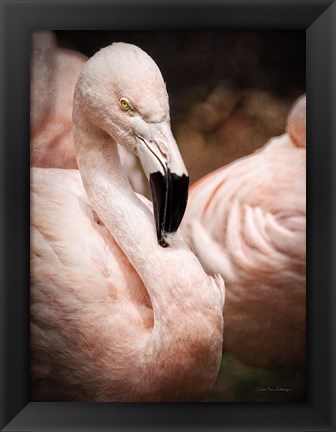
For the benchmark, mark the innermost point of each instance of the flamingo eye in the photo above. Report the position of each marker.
(125, 104)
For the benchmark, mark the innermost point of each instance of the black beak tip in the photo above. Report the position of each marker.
(170, 195)
(162, 241)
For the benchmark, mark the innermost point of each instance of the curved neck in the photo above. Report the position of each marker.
(108, 188)
(171, 275)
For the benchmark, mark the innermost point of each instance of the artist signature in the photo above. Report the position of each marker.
(273, 389)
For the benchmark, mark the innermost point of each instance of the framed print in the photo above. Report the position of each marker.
(238, 76)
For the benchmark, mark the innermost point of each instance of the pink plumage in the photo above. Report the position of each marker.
(247, 222)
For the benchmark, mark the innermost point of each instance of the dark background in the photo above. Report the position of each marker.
(272, 60)
(229, 91)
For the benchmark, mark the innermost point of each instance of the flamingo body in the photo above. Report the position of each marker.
(247, 221)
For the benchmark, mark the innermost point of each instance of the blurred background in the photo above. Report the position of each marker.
(229, 92)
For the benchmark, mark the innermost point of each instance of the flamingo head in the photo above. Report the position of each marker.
(122, 91)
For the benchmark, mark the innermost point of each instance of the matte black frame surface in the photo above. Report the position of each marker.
(18, 18)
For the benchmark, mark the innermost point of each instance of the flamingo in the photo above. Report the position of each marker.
(54, 74)
(247, 221)
(121, 309)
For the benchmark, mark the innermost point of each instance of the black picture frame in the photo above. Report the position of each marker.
(18, 18)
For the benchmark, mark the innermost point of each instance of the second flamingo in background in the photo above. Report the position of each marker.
(247, 221)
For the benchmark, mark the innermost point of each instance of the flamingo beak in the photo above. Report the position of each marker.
(170, 195)
(168, 180)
